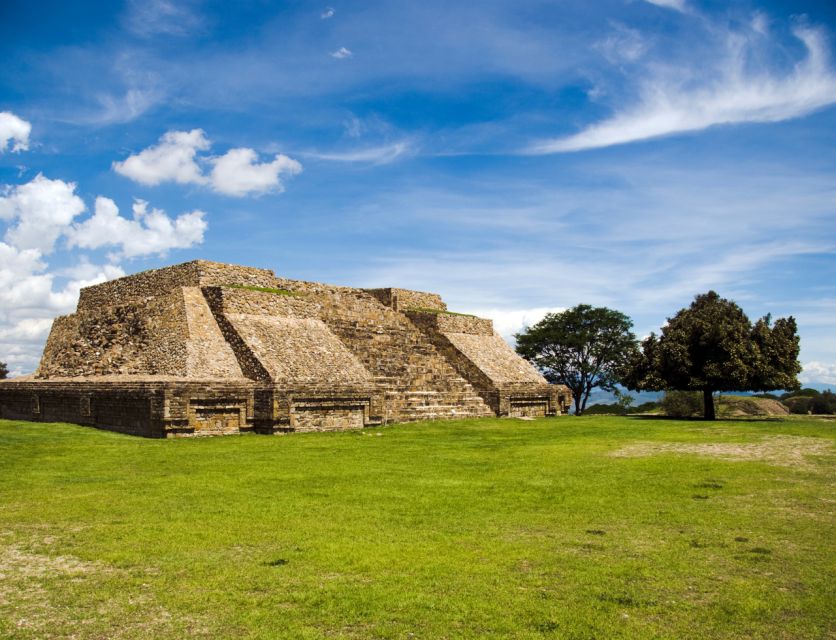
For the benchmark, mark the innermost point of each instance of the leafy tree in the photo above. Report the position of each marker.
(583, 347)
(799, 404)
(624, 401)
(807, 392)
(810, 401)
(4, 371)
(645, 407)
(712, 346)
(682, 404)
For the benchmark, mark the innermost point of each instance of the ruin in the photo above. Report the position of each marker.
(203, 348)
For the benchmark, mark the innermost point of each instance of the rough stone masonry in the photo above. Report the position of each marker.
(204, 348)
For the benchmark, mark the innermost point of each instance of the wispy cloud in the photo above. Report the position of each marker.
(682, 100)
(814, 371)
(119, 109)
(622, 44)
(382, 154)
(147, 18)
(678, 5)
(341, 53)
(328, 13)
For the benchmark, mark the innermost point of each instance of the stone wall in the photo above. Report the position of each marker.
(450, 322)
(150, 284)
(129, 338)
(232, 300)
(405, 299)
(183, 351)
(158, 408)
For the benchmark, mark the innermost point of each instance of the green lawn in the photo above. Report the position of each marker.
(596, 527)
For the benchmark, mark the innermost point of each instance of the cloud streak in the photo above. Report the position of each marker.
(382, 154)
(669, 106)
(342, 53)
(677, 5)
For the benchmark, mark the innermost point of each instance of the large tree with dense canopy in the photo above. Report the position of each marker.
(712, 346)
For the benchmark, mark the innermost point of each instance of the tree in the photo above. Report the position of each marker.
(624, 401)
(712, 346)
(4, 371)
(583, 347)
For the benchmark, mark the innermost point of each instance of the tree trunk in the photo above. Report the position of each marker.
(578, 408)
(708, 404)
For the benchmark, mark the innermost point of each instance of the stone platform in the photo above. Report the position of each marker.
(204, 348)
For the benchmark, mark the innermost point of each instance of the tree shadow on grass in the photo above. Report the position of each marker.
(650, 418)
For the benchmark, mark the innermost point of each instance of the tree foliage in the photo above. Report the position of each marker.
(810, 401)
(682, 404)
(4, 371)
(712, 346)
(583, 347)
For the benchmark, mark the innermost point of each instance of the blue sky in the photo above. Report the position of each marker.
(514, 156)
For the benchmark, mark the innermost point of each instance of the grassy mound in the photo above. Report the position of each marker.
(585, 527)
(739, 406)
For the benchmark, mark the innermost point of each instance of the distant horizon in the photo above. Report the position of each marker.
(517, 158)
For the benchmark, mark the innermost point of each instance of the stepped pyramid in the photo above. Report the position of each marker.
(204, 348)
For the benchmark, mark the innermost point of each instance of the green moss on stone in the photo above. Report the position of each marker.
(278, 292)
(440, 311)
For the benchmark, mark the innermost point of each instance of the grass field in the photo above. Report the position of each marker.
(594, 527)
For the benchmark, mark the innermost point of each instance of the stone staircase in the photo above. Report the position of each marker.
(417, 381)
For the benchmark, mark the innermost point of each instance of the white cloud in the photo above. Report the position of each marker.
(30, 298)
(40, 210)
(121, 109)
(382, 154)
(678, 5)
(507, 322)
(171, 160)
(341, 53)
(760, 23)
(622, 44)
(28, 330)
(814, 371)
(36, 215)
(328, 13)
(147, 18)
(728, 93)
(14, 129)
(27, 291)
(237, 173)
(150, 232)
